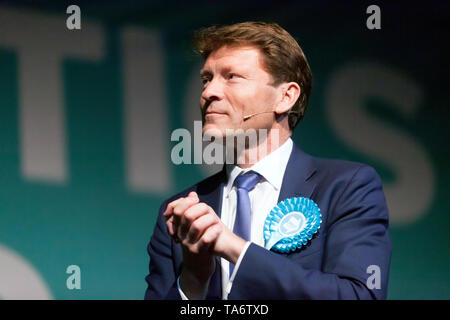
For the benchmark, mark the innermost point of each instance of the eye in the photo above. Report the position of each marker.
(205, 80)
(231, 76)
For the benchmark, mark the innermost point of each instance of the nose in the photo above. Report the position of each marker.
(213, 91)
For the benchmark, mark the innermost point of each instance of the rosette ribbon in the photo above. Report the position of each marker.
(291, 224)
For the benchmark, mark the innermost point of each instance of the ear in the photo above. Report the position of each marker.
(289, 91)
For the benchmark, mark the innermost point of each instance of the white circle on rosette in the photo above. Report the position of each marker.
(19, 280)
(292, 223)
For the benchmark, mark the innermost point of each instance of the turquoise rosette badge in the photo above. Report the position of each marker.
(291, 224)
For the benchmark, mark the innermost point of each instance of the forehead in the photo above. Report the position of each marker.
(229, 56)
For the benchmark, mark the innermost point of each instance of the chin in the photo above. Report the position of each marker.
(210, 129)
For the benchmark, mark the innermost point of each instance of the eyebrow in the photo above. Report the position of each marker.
(205, 73)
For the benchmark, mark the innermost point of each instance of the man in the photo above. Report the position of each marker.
(208, 241)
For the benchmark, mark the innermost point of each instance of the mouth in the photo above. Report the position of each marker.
(214, 113)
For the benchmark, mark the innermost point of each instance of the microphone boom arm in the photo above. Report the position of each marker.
(254, 114)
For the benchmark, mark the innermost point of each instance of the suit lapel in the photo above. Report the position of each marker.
(296, 183)
(296, 180)
(210, 192)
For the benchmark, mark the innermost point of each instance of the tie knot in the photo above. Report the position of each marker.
(247, 180)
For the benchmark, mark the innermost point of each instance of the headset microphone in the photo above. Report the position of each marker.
(254, 114)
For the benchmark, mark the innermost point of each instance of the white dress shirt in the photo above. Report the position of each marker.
(263, 197)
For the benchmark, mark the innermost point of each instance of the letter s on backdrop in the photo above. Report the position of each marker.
(410, 195)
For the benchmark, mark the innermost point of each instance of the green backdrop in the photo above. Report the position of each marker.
(86, 117)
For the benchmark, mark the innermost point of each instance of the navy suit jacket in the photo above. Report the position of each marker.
(334, 265)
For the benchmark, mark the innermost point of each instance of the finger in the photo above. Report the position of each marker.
(179, 227)
(171, 206)
(171, 229)
(209, 237)
(199, 227)
(183, 205)
(193, 194)
(193, 213)
(170, 226)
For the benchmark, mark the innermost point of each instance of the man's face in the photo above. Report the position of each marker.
(235, 84)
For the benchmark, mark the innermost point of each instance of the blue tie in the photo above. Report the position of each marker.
(242, 224)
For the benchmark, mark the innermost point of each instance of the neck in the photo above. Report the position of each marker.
(246, 153)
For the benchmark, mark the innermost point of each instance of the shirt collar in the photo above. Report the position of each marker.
(271, 167)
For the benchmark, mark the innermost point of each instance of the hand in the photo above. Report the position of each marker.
(200, 230)
(202, 235)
